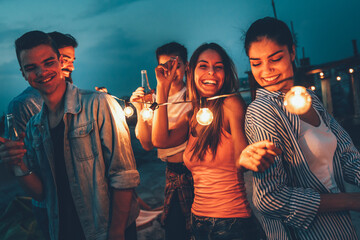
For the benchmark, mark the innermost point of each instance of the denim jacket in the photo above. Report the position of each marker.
(23, 107)
(98, 156)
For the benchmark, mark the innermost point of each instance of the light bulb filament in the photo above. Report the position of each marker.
(297, 100)
(204, 116)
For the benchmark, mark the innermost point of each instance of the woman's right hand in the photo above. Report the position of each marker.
(258, 156)
(137, 98)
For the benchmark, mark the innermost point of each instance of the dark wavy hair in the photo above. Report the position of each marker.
(172, 48)
(33, 39)
(63, 40)
(273, 29)
(209, 136)
(270, 28)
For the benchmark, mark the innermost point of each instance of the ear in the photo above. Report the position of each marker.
(22, 73)
(61, 60)
(293, 54)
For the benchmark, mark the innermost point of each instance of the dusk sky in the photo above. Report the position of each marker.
(118, 38)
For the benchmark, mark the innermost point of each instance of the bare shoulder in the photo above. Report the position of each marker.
(234, 109)
(234, 104)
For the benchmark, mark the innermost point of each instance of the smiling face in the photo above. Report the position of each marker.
(68, 54)
(41, 67)
(209, 73)
(272, 63)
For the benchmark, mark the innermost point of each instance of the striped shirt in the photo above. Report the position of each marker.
(288, 193)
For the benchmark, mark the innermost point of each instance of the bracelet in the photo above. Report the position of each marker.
(27, 173)
(20, 173)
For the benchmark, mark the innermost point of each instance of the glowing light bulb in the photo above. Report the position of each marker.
(147, 114)
(312, 88)
(297, 100)
(204, 116)
(351, 70)
(321, 75)
(129, 111)
(338, 78)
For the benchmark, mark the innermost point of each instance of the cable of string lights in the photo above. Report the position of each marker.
(296, 101)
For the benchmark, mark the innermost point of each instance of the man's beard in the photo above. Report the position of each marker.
(69, 79)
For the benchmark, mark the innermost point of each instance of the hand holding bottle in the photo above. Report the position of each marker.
(137, 98)
(148, 92)
(12, 150)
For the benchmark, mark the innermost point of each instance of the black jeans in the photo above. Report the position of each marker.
(207, 228)
(175, 224)
(130, 232)
(42, 220)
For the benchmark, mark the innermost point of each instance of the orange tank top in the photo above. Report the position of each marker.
(219, 186)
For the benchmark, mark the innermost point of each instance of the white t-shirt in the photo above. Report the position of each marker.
(175, 112)
(318, 145)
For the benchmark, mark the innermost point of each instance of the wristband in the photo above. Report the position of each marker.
(20, 173)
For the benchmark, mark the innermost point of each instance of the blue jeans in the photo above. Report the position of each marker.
(207, 228)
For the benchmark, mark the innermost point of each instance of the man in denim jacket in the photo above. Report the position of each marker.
(78, 155)
(29, 102)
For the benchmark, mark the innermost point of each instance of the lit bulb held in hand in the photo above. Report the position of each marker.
(297, 100)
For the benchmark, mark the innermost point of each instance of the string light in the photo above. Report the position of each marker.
(322, 75)
(148, 112)
(128, 110)
(351, 70)
(204, 116)
(338, 78)
(297, 100)
(312, 88)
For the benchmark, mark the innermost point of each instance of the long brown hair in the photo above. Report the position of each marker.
(209, 136)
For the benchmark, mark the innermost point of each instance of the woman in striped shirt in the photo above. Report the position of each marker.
(302, 195)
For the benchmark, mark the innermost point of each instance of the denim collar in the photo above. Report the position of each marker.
(71, 104)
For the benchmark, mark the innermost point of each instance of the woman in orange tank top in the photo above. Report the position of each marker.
(220, 209)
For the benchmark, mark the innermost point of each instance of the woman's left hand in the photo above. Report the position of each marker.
(259, 156)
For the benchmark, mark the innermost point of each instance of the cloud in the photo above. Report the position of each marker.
(100, 7)
(12, 83)
(7, 39)
(118, 60)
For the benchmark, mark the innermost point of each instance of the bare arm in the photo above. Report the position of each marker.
(339, 202)
(31, 183)
(121, 202)
(257, 157)
(235, 121)
(162, 137)
(143, 128)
